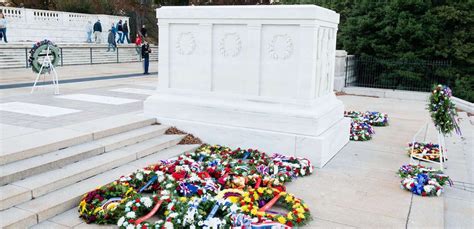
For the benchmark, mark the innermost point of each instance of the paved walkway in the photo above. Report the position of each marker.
(357, 188)
(16, 76)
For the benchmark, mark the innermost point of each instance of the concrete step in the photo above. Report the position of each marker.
(37, 143)
(41, 184)
(42, 208)
(21, 169)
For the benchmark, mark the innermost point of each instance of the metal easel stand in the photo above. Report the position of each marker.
(415, 159)
(49, 65)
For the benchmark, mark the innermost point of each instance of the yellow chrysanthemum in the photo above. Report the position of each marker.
(183, 199)
(301, 216)
(281, 220)
(83, 206)
(290, 216)
(260, 190)
(282, 193)
(300, 210)
(254, 211)
(97, 209)
(245, 208)
(255, 196)
(305, 205)
(233, 199)
(247, 199)
(128, 191)
(269, 191)
(167, 212)
(112, 206)
(289, 199)
(245, 194)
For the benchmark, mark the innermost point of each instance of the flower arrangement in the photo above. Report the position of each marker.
(442, 110)
(100, 205)
(361, 125)
(256, 203)
(427, 151)
(361, 131)
(201, 189)
(422, 181)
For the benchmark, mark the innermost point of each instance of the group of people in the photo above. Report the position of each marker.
(118, 33)
(3, 28)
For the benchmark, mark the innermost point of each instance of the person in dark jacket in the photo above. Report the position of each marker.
(143, 31)
(120, 31)
(111, 41)
(97, 32)
(146, 56)
(125, 33)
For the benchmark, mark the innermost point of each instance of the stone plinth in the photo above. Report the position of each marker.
(251, 76)
(61, 27)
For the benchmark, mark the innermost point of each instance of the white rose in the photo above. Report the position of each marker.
(146, 201)
(120, 221)
(131, 226)
(139, 176)
(130, 215)
(168, 225)
(129, 204)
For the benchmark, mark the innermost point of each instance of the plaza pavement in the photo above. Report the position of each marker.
(357, 188)
(16, 76)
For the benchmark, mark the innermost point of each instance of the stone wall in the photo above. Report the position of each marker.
(26, 25)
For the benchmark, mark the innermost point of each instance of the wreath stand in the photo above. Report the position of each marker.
(47, 63)
(415, 159)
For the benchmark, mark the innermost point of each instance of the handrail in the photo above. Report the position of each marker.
(92, 60)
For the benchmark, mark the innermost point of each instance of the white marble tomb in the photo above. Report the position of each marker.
(253, 77)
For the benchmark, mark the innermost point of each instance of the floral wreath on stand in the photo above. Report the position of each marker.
(37, 50)
(442, 110)
(429, 151)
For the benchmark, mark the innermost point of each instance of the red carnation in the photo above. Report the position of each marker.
(134, 208)
(200, 192)
(137, 200)
(289, 223)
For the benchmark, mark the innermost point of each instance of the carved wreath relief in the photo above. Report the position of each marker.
(230, 45)
(185, 43)
(280, 47)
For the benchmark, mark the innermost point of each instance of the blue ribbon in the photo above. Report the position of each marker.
(151, 181)
(213, 211)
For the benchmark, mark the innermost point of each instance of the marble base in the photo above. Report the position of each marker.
(316, 131)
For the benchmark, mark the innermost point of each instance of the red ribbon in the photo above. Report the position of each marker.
(150, 214)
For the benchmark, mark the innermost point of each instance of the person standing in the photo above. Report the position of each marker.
(146, 56)
(3, 28)
(111, 41)
(120, 31)
(138, 46)
(125, 33)
(143, 31)
(97, 32)
(89, 30)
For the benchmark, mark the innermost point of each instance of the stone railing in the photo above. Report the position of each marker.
(33, 25)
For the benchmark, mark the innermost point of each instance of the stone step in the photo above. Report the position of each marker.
(21, 169)
(40, 209)
(41, 184)
(37, 143)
